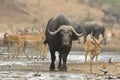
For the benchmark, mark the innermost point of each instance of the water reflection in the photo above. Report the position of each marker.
(44, 76)
(73, 57)
(78, 56)
(15, 75)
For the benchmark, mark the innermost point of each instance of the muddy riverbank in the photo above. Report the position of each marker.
(31, 69)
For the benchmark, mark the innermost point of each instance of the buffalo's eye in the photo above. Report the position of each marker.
(62, 32)
(70, 33)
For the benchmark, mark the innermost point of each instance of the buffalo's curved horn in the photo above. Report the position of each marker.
(54, 32)
(76, 32)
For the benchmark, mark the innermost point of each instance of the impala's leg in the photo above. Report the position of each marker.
(33, 50)
(93, 57)
(36, 47)
(91, 62)
(96, 58)
(24, 48)
(41, 50)
(16, 50)
(8, 49)
(86, 53)
(20, 44)
(45, 50)
(96, 64)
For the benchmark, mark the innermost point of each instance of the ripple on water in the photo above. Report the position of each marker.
(15, 75)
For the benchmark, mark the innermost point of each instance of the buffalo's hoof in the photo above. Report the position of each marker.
(64, 69)
(59, 69)
(52, 69)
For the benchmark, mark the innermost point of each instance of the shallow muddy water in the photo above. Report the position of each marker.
(29, 74)
(17, 75)
(41, 76)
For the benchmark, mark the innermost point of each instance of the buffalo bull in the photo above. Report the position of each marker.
(59, 36)
(96, 28)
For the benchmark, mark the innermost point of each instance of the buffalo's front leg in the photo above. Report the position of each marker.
(64, 68)
(53, 57)
(60, 64)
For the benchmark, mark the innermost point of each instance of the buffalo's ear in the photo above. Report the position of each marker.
(74, 37)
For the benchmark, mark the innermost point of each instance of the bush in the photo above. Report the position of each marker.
(88, 18)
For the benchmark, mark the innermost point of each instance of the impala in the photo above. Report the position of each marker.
(92, 47)
(21, 40)
(11, 38)
(37, 41)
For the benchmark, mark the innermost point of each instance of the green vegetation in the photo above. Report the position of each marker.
(109, 7)
(111, 2)
(88, 18)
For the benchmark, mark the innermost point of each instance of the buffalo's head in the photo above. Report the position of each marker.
(65, 33)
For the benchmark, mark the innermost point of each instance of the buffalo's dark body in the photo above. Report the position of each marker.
(55, 41)
(96, 28)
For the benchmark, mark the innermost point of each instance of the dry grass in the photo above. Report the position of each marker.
(20, 12)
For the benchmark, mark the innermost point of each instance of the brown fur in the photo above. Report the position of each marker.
(17, 39)
(21, 39)
(92, 47)
(38, 41)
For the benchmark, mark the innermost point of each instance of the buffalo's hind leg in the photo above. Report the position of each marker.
(53, 58)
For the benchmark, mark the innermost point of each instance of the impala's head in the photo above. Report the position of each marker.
(98, 43)
(5, 40)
